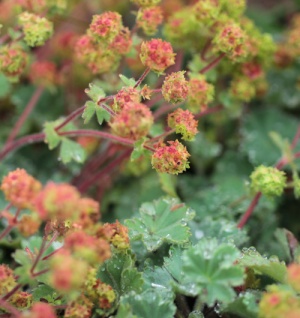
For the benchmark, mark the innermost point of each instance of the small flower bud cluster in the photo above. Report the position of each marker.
(171, 158)
(89, 214)
(133, 121)
(40, 310)
(116, 234)
(146, 3)
(233, 8)
(184, 123)
(148, 19)
(81, 307)
(37, 30)
(48, 71)
(175, 87)
(293, 276)
(20, 189)
(21, 300)
(279, 302)
(242, 88)
(7, 279)
(268, 180)
(104, 44)
(157, 54)
(200, 94)
(125, 96)
(100, 293)
(206, 11)
(40, 6)
(13, 61)
(28, 224)
(230, 40)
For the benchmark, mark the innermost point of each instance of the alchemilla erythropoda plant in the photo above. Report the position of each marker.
(149, 159)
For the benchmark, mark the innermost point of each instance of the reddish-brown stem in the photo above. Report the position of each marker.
(9, 205)
(10, 227)
(206, 48)
(76, 113)
(44, 271)
(49, 255)
(296, 139)
(54, 237)
(39, 255)
(28, 109)
(7, 306)
(11, 292)
(161, 136)
(209, 111)
(249, 211)
(143, 76)
(97, 176)
(212, 64)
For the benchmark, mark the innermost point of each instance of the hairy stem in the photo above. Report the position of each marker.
(28, 109)
(143, 76)
(212, 64)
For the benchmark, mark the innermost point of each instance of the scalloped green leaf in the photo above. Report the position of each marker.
(51, 136)
(209, 266)
(127, 81)
(139, 149)
(271, 267)
(89, 111)
(102, 114)
(120, 273)
(95, 92)
(71, 150)
(164, 220)
(149, 304)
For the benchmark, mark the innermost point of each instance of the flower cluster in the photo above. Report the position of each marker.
(279, 302)
(48, 69)
(268, 180)
(171, 158)
(20, 188)
(125, 96)
(13, 61)
(148, 19)
(133, 121)
(184, 123)
(104, 44)
(175, 87)
(146, 3)
(157, 55)
(200, 94)
(37, 30)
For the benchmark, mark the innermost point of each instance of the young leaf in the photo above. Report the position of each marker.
(46, 292)
(71, 150)
(209, 266)
(89, 111)
(168, 184)
(120, 273)
(94, 92)
(139, 149)
(271, 267)
(164, 220)
(102, 114)
(51, 136)
(150, 304)
(127, 81)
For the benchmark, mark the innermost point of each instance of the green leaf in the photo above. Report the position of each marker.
(120, 273)
(102, 114)
(89, 111)
(244, 306)
(95, 92)
(149, 304)
(209, 266)
(257, 126)
(271, 267)
(164, 220)
(139, 149)
(168, 184)
(71, 150)
(196, 314)
(127, 81)
(46, 292)
(51, 136)
(5, 86)
(125, 311)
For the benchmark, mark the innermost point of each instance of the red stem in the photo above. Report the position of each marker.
(38, 257)
(212, 64)
(143, 76)
(10, 227)
(249, 211)
(28, 109)
(205, 50)
(11, 292)
(76, 113)
(14, 312)
(97, 177)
